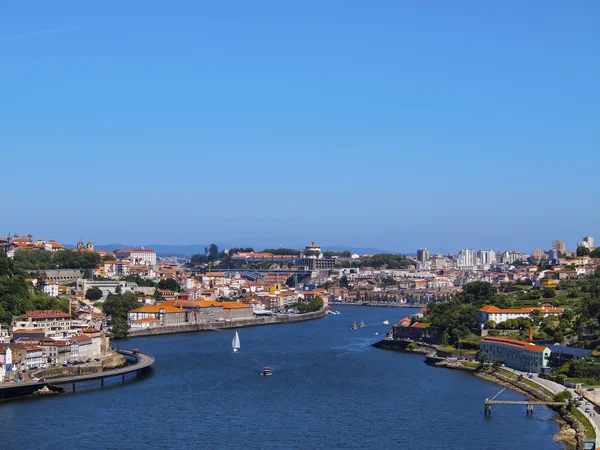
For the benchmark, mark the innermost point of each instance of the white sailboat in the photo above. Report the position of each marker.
(235, 344)
(386, 322)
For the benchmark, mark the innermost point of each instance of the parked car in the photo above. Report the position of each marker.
(35, 379)
(587, 410)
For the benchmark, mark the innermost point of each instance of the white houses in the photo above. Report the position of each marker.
(500, 315)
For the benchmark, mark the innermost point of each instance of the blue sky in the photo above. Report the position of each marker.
(392, 124)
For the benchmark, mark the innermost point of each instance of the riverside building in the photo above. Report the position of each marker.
(515, 354)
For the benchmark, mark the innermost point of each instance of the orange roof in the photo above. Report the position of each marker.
(233, 305)
(495, 309)
(146, 319)
(420, 325)
(405, 320)
(513, 343)
(157, 308)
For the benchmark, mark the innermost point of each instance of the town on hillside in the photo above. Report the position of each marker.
(476, 303)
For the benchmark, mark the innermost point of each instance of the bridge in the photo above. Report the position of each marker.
(142, 364)
(528, 403)
(255, 274)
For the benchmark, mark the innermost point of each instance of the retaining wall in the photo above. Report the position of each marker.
(255, 321)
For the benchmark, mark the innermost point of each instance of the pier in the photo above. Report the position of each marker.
(487, 409)
(142, 364)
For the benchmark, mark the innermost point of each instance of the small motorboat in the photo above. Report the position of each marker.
(266, 371)
(362, 324)
(354, 326)
(386, 322)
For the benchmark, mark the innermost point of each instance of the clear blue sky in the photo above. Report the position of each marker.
(390, 124)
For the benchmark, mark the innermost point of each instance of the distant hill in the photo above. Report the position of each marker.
(359, 250)
(189, 250)
(160, 249)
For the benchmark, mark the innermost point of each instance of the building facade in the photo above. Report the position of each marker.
(137, 256)
(422, 255)
(54, 323)
(515, 354)
(501, 315)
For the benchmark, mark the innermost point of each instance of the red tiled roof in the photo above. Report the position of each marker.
(513, 343)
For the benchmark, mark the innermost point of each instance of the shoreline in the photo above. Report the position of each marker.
(571, 433)
(253, 322)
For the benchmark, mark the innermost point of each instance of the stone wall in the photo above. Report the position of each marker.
(255, 321)
(63, 275)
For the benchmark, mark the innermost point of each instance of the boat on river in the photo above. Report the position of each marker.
(361, 324)
(354, 326)
(235, 344)
(386, 322)
(266, 371)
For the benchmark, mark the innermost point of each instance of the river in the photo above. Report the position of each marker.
(329, 389)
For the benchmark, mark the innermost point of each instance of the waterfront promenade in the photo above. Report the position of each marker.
(142, 364)
(216, 326)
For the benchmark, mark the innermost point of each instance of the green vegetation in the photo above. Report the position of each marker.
(344, 254)
(93, 294)
(139, 280)
(17, 296)
(580, 369)
(169, 284)
(412, 346)
(117, 307)
(563, 396)
(383, 260)
(314, 305)
(65, 259)
(589, 430)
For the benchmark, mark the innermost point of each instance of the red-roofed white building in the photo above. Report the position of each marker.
(500, 315)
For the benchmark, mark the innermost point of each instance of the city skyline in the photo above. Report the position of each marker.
(393, 127)
(326, 246)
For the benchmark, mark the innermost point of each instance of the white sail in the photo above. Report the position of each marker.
(235, 344)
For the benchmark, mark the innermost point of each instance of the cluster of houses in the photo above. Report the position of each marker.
(42, 338)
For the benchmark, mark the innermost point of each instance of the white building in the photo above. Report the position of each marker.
(138, 256)
(587, 241)
(501, 315)
(467, 259)
(54, 323)
(4, 335)
(487, 257)
(51, 288)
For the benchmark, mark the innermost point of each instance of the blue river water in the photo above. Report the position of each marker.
(329, 389)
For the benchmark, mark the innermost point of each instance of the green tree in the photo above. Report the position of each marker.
(483, 357)
(563, 396)
(549, 293)
(93, 294)
(344, 281)
(169, 284)
(120, 328)
(213, 252)
(490, 324)
(583, 251)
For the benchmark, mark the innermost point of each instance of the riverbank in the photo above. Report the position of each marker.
(254, 322)
(572, 432)
(380, 304)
